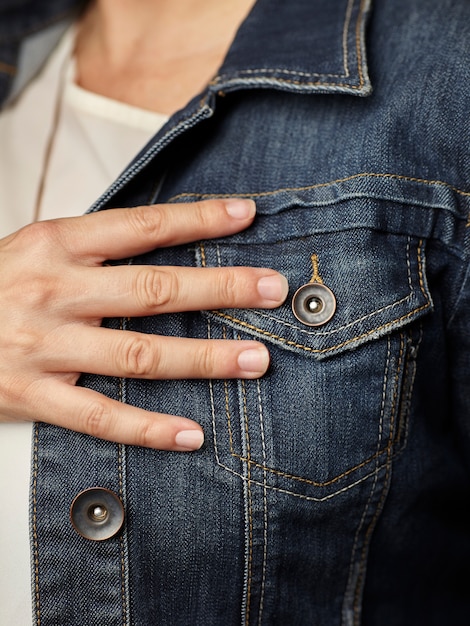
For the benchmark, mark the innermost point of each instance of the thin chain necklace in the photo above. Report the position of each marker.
(52, 135)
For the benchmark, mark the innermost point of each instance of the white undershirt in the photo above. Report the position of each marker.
(94, 139)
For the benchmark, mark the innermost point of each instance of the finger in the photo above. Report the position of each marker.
(140, 355)
(120, 233)
(147, 290)
(87, 411)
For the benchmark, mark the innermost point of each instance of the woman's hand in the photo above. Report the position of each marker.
(54, 292)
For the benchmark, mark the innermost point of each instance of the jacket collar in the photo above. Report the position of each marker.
(303, 46)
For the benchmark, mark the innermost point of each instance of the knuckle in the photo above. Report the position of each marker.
(13, 392)
(146, 434)
(206, 361)
(40, 233)
(39, 294)
(229, 286)
(138, 358)
(96, 418)
(206, 210)
(155, 289)
(25, 342)
(147, 221)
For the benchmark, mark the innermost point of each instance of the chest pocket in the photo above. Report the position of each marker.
(332, 409)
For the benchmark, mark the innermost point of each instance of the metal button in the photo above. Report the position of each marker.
(97, 514)
(314, 304)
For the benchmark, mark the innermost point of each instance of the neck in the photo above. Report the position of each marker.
(158, 46)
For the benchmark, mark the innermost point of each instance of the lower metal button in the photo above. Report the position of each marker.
(97, 514)
(314, 304)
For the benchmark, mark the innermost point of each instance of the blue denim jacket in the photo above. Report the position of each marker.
(332, 491)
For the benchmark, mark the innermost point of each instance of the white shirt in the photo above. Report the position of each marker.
(92, 139)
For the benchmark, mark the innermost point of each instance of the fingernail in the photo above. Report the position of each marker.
(254, 360)
(190, 439)
(240, 209)
(273, 287)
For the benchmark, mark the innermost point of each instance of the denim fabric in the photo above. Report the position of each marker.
(330, 492)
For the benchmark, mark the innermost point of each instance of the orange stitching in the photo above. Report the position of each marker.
(308, 481)
(318, 333)
(265, 468)
(322, 350)
(298, 495)
(301, 479)
(348, 341)
(203, 256)
(419, 253)
(35, 529)
(263, 194)
(316, 278)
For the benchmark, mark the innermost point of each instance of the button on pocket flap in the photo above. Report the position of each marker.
(346, 287)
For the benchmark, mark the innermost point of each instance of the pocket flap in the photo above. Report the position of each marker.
(377, 279)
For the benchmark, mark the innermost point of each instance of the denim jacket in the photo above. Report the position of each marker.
(332, 491)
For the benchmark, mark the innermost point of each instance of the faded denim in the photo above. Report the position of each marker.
(331, 491)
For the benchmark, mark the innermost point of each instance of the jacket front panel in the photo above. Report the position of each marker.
(328, 492)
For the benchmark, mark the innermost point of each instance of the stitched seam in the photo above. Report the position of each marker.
(384, 491)
(124, 325)
(265, 506)
(374, 485)
(345, 74)
(121, 496)
(347, 23)
(121, 544)
(308, 481)
(301, 479)
(301, 496)
(336, 330)
(37, 603)
(263, 194)
(419, 253)
(408, 264)
(300, 83)
(212, 403)
(219, 79)
(248, 460)
(409, 371)
(322, 350)
(250, 511)
(227, 403)
(358, 45)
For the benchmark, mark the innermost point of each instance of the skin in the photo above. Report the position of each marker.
(53, 277)
(158, 56)
(59, 291)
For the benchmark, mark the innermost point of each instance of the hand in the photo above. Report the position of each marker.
(54, 292)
